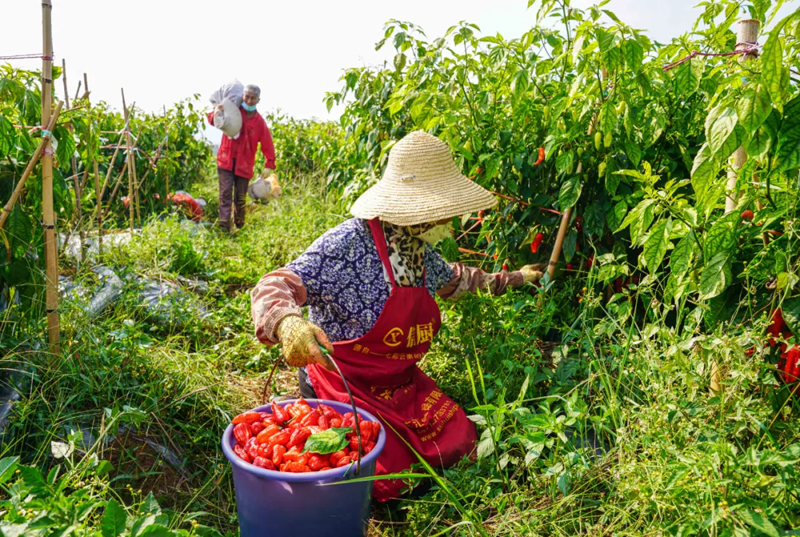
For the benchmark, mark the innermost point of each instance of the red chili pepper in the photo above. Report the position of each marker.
(376, 429)
(242, 433)
(505, 267)
(369, 447)
(344, 461)
(261, 462)
(296, 468)
(247, 417)
(315, 462)
(311, 418)
(256, 427)
(325, 468)
(336, 423)
(334, 457)
(541, 157)
(480, 216)
(264, 436)
(239, 450)
(299, 437)
(252, 448)
(282, 438)
(277, 454)
(537, 240)
(570, 266)
(354, 443)
(279, 413)
(323, 423)
(747, 215)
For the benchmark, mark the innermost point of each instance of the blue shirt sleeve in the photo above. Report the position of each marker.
(438, 272)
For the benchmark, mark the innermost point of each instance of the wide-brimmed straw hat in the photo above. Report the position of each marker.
(422, 184)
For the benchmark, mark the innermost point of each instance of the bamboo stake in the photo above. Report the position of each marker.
(48, 219)
(29, 168)
(131, 161)
(747, 35)
(97, 192)
(114, 192)
(78, 185)
(567, 215)
(78, 91)
(166, 171)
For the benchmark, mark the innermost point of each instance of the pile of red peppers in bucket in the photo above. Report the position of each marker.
(277, 440)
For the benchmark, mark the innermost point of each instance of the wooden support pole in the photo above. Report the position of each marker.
(77, 183)
(97, 192)
(48, 217)
(29, 168)
(131, 160)
(166, 148)
(747, 36)
(567, 215)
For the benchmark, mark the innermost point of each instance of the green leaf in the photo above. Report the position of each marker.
(636, 213)
(604, 39)
(655, 247)
(14, 530)
(449, 249)
(328, 441)
(772, 68)
(761, 141)
(791, 314)
(595, 218)
(614, 217)
(688, 76)
(704, 171)
(564, 162)
(681, 255)
(7, 467)
(150, 505)
(399, 62)
(569, 194)
(634, 152)
(570, 245)
(634, 55)
(721, 130)
(18, 227)
(787, 154)
(114, 519)
(715, 277)
(486, 444)
(759, 522)
(753, 108)
(722, 236)
(156, 530)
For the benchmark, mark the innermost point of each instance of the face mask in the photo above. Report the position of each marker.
(249, 107)
(437, 233)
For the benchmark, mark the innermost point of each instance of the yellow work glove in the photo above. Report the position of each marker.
(532, 273)
(300, 341)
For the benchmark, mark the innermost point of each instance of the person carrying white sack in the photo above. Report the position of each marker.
(236, 157)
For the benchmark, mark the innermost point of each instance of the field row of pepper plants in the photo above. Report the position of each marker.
(637, 151)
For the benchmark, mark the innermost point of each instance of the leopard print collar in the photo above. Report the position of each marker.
(406, 253)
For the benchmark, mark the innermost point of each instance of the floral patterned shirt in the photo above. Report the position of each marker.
(346, 282)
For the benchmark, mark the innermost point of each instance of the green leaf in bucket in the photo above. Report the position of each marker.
(327, 442)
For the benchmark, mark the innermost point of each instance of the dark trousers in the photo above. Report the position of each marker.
(306, 390)
(232, 192)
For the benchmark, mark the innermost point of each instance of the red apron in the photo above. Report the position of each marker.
(381, 368)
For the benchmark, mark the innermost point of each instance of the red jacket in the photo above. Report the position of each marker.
(243, 149)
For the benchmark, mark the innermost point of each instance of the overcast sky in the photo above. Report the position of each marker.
(162, 51)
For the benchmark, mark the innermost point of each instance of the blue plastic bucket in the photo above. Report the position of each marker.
(281, 504)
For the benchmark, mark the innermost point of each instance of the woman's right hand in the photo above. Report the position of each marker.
(300, 342)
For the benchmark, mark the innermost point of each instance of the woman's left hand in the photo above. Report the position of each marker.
(532, 273)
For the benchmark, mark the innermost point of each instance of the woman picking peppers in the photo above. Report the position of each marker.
(370, 284)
